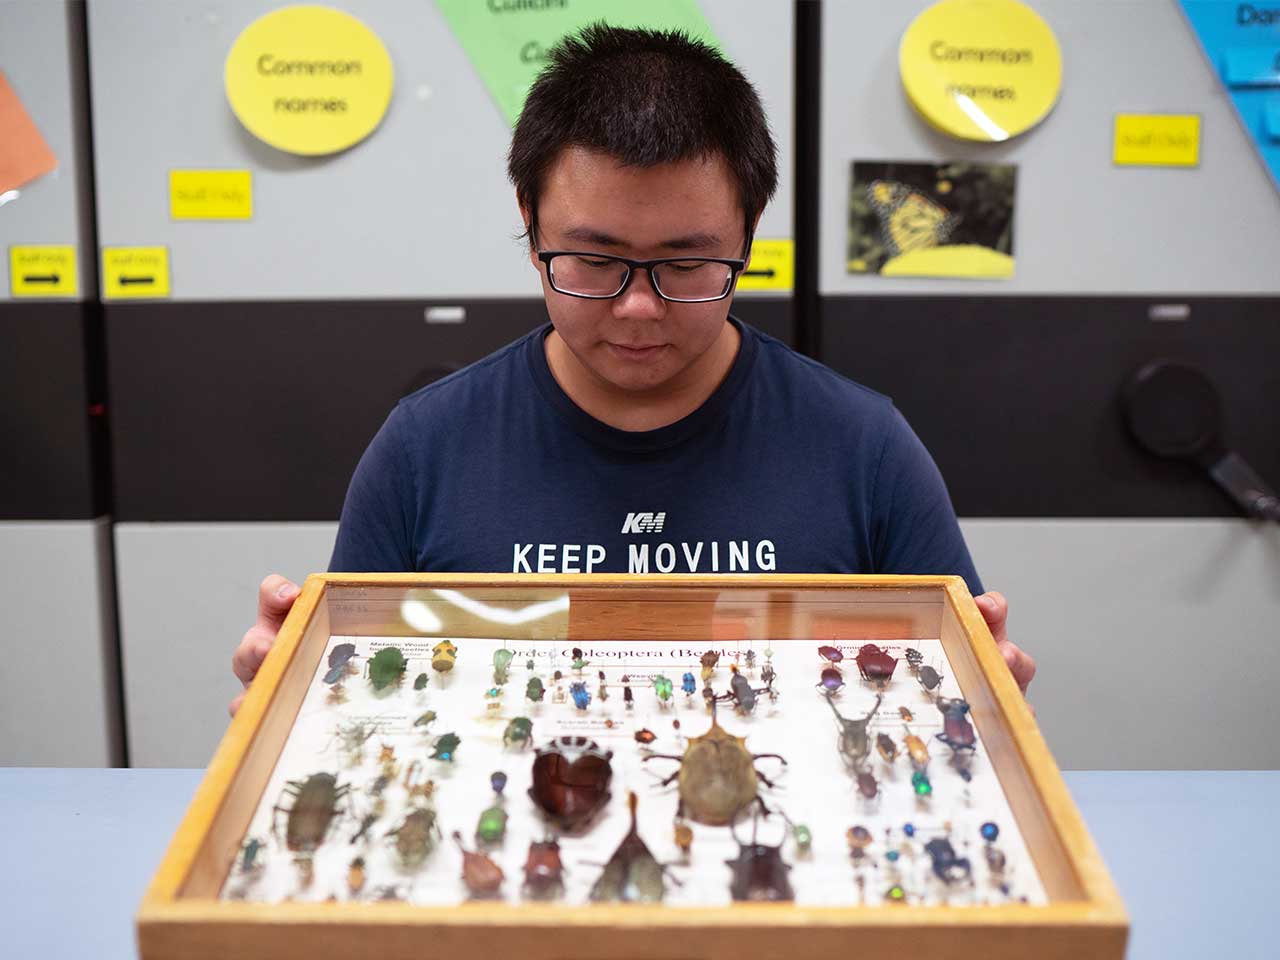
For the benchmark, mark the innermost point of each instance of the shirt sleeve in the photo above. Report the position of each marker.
(914, 526)
(375, 531)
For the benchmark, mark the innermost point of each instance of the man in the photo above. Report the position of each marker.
(644, 429)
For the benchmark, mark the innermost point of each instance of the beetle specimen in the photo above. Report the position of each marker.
(633, 874)
(628, 697)
(916, 751)
(420, 681)
(751, 660)
(543, 870)
(947, 867)
(858, 838)
(340, 662)
(663, 687)
(571, 778)
(688, 684)
(314, 805)
(887, 749)
(249, 855)
(501, 665)
(855, 743)
(581, 695)
(443, 656)
(867, 785)
(831, 681)
(578, 664)
(929, 678)
(717, 775)
(492, 825)
(416, 837)
(355, 876)
(534, 691)
(386, 667)
(742, 693)
(759, 872)
(445, 747)
(603, 691)
(830, 654)
(519, 730)
(914, 658)
(426, 719)
(767, 674)
(481, 875)
(957, 733)
(645, 735)
(387, 760)
(709, 661)
(905, 714)
(683, 836)
(875, 664)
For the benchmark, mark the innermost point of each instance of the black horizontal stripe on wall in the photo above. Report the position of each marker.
(48, 420)
(1017, 397)
(258, 411)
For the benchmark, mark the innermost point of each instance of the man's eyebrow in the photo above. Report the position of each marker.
(691, 241)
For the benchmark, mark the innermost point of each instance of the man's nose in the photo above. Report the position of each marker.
(639, 299)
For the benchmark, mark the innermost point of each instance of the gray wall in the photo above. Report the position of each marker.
(1081, 226)
(422, 208)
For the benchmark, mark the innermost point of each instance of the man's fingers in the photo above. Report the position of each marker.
(249, 655)
(1021, 664)
(275, 598)
(235, 704)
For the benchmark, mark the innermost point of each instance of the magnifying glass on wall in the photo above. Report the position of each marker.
(1173, 410)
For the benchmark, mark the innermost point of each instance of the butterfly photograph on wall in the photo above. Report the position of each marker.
(932, 220)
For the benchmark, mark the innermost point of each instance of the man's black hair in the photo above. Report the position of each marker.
(645, 97)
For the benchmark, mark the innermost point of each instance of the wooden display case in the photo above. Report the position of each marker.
(183, 916)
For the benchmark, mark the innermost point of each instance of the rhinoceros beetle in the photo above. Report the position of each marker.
(759, 872)
(717, 775)
(854, 743)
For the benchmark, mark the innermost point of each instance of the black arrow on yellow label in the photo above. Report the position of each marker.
(761, 273)
(126, 281)
(53, 278)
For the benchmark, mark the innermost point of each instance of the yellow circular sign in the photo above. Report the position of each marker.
(309, 80)
(981, 69)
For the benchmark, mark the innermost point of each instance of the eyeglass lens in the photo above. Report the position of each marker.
(678, 280)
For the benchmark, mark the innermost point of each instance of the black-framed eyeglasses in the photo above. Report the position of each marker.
(598, 276)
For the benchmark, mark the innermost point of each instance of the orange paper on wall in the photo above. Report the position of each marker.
(24, 155)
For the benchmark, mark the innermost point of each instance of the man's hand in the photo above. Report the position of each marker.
(995, 610)
(275, 598)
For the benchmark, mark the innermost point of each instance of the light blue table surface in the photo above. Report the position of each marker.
(1194, 853)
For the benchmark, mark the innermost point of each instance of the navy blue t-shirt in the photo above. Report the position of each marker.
(788, 467)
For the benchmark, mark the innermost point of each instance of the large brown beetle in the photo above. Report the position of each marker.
(759, 872)
(416, 837)
(717, 775)
(315, 802)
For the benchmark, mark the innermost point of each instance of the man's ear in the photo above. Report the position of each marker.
(526, 216)
(755, 225)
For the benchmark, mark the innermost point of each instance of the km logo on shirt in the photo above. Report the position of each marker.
(644, 523)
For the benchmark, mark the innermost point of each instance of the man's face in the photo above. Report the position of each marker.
(638, 343)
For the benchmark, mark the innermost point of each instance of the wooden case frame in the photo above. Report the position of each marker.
(182, 917)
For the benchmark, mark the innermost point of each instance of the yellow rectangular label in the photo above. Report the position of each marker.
(135, 273)
(772, 266)
(210, 194)
(1156, 140)
(43, 271)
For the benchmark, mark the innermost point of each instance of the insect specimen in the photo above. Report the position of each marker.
(633, 874)
(416, 837)
(767, 674)
(742, 693)
(443, 656)
(426, 719)
(709, 661)
(854, 743)
(351, 739)
(688, 684)
(830, 654)
(957, 732)
(365, 824)
(717, 775)
(887, 749)
(759, 872)
(581, 695)
(916, 751)
(914, 658)
(867, 785)
(355, 876)
(519, 730)
(314, 806)
(663, 687)
(482, 876)
(947, 867)
(386, 668)
(875, 664)
(645, 735)
(831, 680)
(920, 783)
(249, 855)
(387, 761)
(579, 664)
(603, 691)
(501, 665)
(858, 838)
(905, 714)
(683, 836)
(492, 825)
(571, 778)
(445, 747)
(420, 681)
(340, 662)
(543, 869)
(751, 660)
(929, 678)
(803, 837)
(534, 691)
